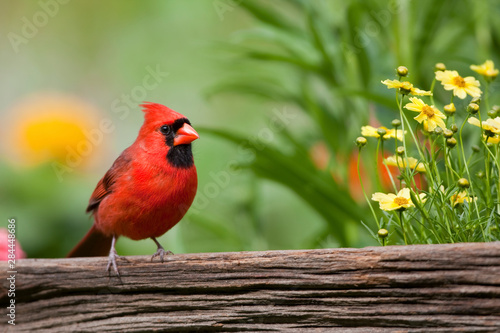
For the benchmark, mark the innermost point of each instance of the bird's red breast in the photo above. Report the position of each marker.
(152, 184)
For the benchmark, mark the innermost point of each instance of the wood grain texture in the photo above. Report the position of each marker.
(425, 288)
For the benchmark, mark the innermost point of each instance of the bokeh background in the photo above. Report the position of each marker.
(278, 91)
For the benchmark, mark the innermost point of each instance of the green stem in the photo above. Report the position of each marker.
(487, 95)
(420, 153)
(449, 165)
(498, 175)
(432, 90)
(380, 147)
(487, 165)
(401, 222)
(497, 164)
(466, 166)
(405, 155)
(363, 189)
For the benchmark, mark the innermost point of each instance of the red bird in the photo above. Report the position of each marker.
(148, 189)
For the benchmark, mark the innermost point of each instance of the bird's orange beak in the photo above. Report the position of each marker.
(186, 134)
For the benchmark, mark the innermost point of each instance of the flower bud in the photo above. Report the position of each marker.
(476, 100)
(463, 183)
(496, 108)
(438, 131)
(381, 132)
(396, 123)
(473, 108)
(449, 108)
(476, 149)
(451, 142)
(383, 233)
(454, 128)
(402, 71)
(480, 174)
(447, 133)
(490, 145)
(361, 141)
(492, 113)
(400, 150)
(439, 67)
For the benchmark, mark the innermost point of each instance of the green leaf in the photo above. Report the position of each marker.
(268, 16)
(297, 172)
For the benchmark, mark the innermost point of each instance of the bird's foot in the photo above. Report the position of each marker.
(112, 261)
(160, 253)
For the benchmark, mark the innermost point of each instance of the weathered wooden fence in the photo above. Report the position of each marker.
(427, 288)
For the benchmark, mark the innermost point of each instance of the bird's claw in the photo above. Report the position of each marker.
(160, 253)
(112, 262)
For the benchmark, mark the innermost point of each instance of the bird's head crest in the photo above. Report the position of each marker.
(158, 113)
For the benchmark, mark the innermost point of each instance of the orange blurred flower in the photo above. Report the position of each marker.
(320, 156)
(49, 127)
(369, 184)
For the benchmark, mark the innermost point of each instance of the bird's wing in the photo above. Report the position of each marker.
(105, 185)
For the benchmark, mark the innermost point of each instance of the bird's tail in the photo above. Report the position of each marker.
(94, 244)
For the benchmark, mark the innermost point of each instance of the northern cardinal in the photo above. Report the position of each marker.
(147, 190)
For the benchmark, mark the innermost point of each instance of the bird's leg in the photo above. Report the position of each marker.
(112, 257)
(160, 251)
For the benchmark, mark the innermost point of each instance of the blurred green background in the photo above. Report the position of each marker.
(278, 91)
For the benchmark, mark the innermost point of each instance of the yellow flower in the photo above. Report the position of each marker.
(493, 139)
(487, 69)
(460, 86)
(400, 201)
(52, 127)
(460, 198)
(431, 114)
(389, 133)
(492, 125)
(401, 162)
(406, 87)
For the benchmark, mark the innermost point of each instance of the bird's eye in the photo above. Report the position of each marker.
(165, 129)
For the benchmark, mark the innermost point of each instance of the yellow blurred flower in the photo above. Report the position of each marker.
(460, 86)
(391, 201)
(492, 125)
(371, 131)
(493, 139)
(428, 113)
(50, 127)
(403, 162)
(460, 198)
(487, 69)
(406, 87)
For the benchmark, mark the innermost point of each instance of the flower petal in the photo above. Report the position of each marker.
(369, 131)
(439, 122)
(404, 192)
(474, 121)
(421, 117)
(459, 92)
(378, 196)
(392, 83)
